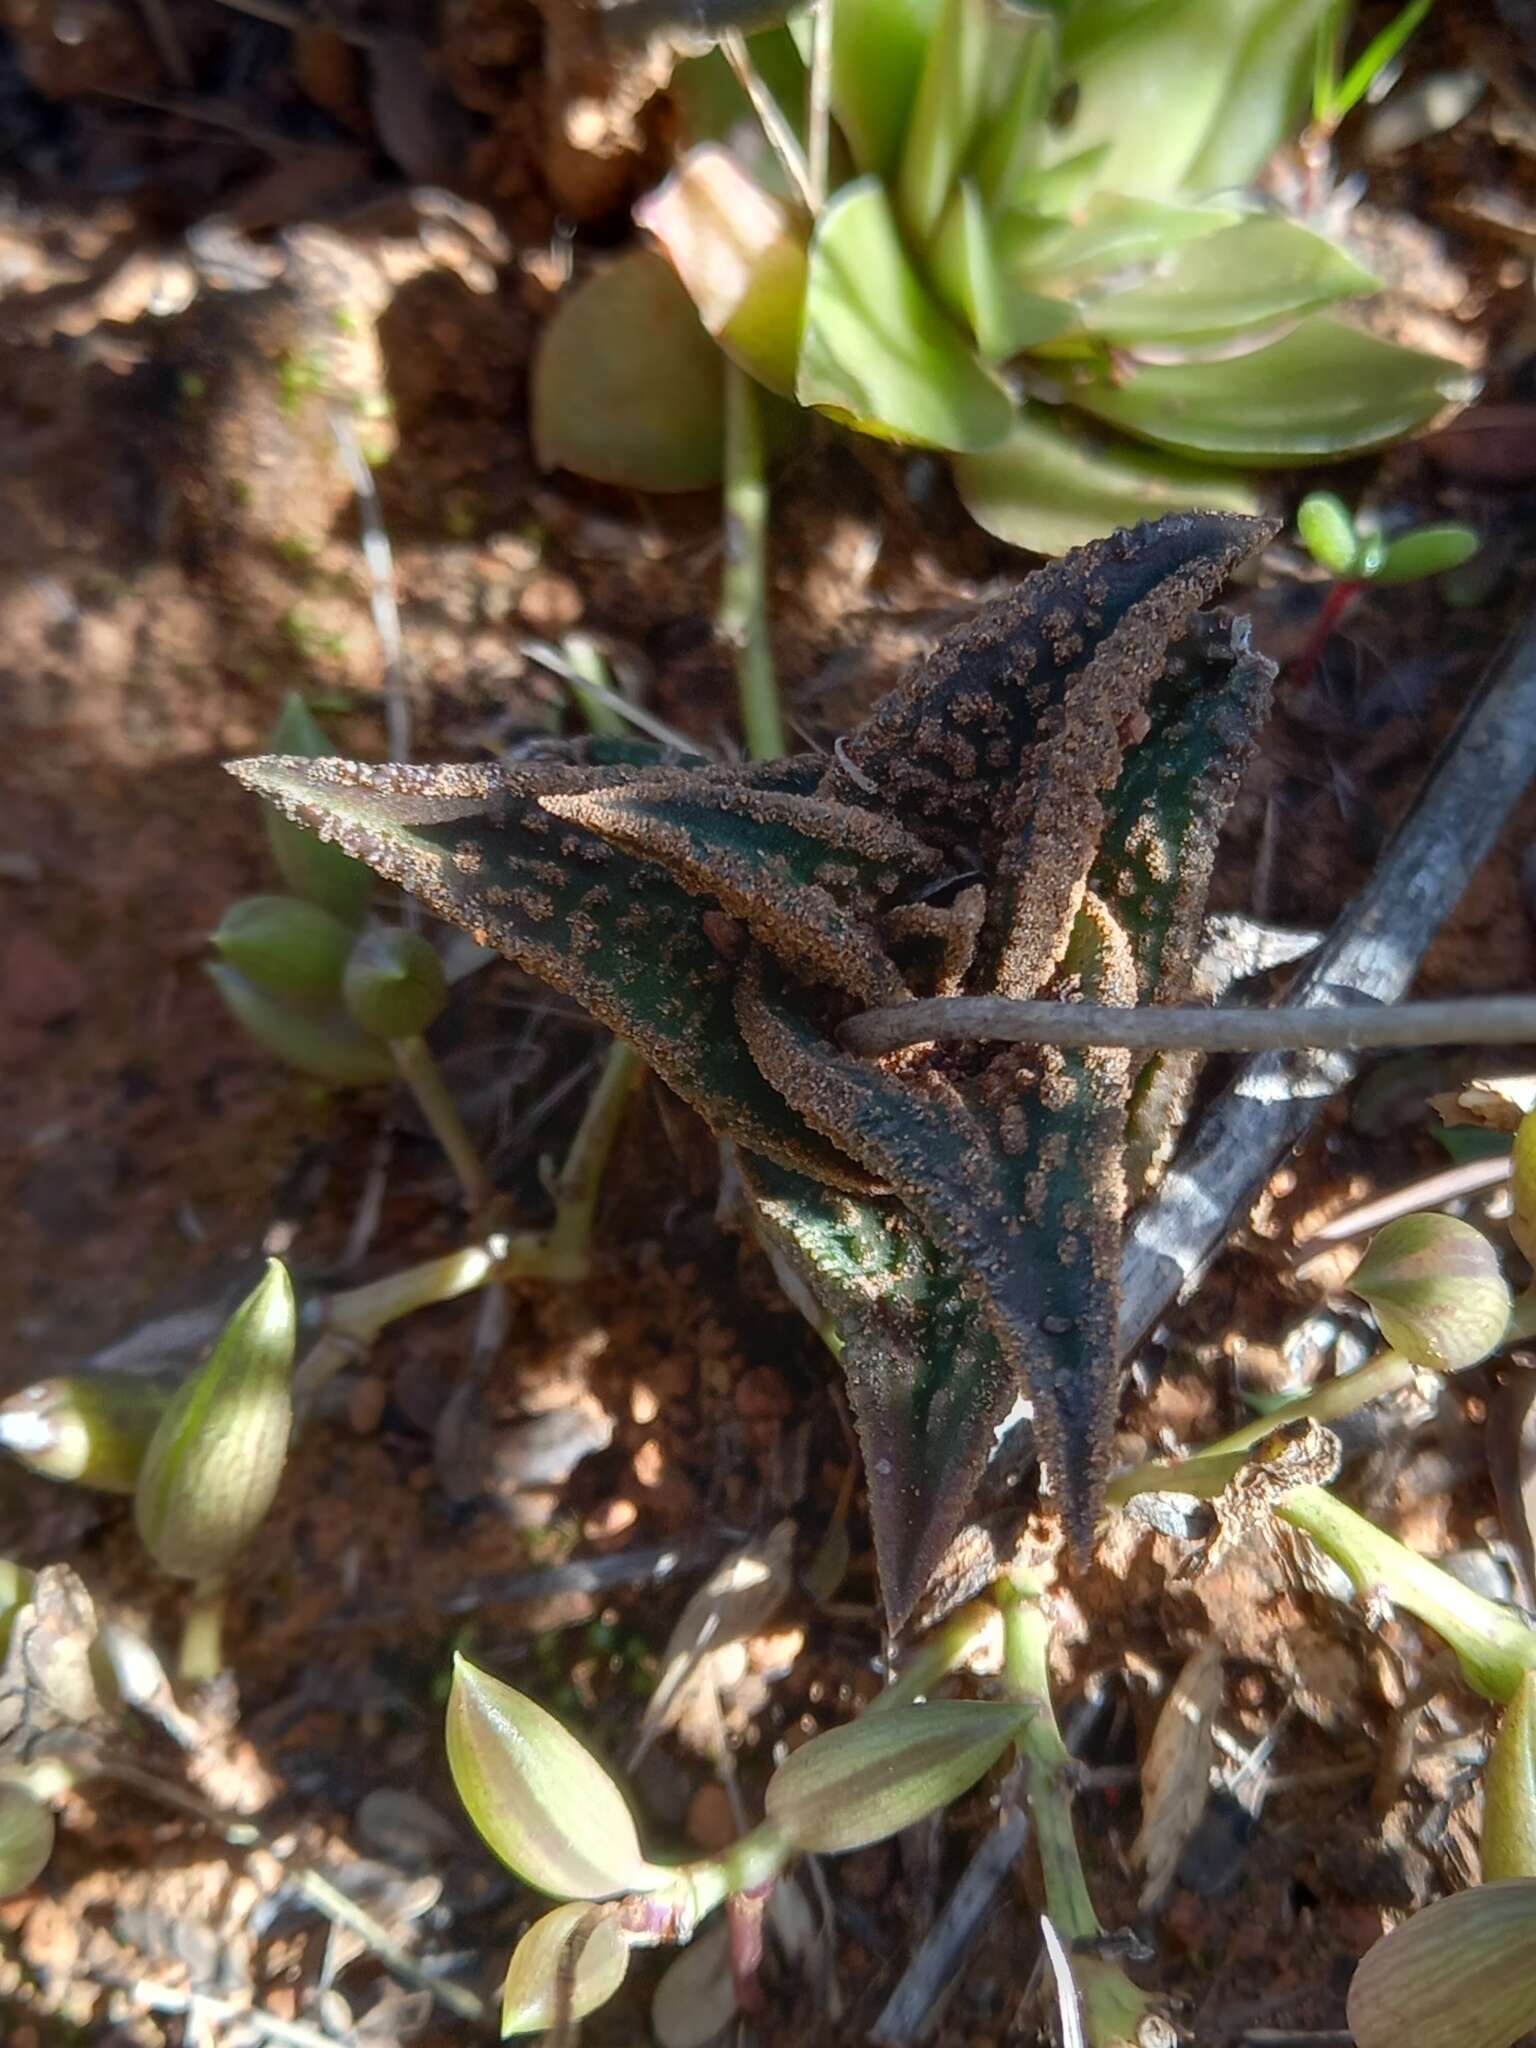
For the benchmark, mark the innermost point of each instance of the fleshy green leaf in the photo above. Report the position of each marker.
(26, 1839)
(543, 1804)
(963, 263)
(627, 387)
(925, 1376)
(214, 1463)
(1261, 270)
(1435, 1289)
(1456, 1975)
(739, 258)
(878, 48)
(286, 946)
(529, 2001)
(1107, 235)
(327, 1045)
(1427, 551)
(322, 874)
(1058, 482)
(90, 1428)
(394, 985)
(877, 352)
(861, 1783)
(621, 936)
(1328, 532)
(1188, 95)
(1325, 389)
(971, 44)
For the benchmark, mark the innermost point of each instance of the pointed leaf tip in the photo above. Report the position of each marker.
(541, 1802)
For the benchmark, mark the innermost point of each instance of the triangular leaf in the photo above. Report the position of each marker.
(802, 872)
(1015, 1174)
(620, 935)
(926, 1378)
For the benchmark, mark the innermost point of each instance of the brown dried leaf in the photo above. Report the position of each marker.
(46, 1683)
(742, 1595)
(1176, 1777)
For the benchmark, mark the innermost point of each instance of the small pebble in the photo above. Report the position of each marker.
(710, 1824)
(365, 1403)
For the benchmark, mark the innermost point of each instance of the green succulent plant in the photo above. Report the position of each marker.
(1032, 811)
(1038, 250)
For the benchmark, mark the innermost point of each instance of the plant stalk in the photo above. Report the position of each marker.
(201, 1656)
(743, 613)
(1114, 2009)
(1457, 1020)
(423, 1076)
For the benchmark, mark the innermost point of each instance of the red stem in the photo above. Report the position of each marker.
(1336, 606)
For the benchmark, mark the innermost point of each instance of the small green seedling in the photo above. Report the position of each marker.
(551, 1813)
(211, 1470)
(90, 1429)
(1337, 91)
(1356, 555)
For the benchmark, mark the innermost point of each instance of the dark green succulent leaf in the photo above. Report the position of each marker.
(1013, 1170)
(926, 1378)
(1154, 863)
(803, 873)
(977, 716)
(620, 935)
(1162, 818)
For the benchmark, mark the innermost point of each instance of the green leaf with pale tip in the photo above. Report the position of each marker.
(1059, 481)
(289, 947)
(1458, 1974)
(325, 1045)
(214, 1463)
(626, 385)
(883, 1772)
(26, 1839)
(543, 1804)
(1509, 1790)
(321, 874)
(925, 1376)
(1434, 1286)
(394, 986)
(621, 936)
(803, 873)
(1259, 271)
(576, 1939)
(877, 352)
(1324, 389)
(1025, 1198)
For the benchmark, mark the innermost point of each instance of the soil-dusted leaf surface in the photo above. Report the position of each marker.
(226, 238)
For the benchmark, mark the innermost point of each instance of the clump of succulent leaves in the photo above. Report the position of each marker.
(1039, 248)
(1033, 811)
